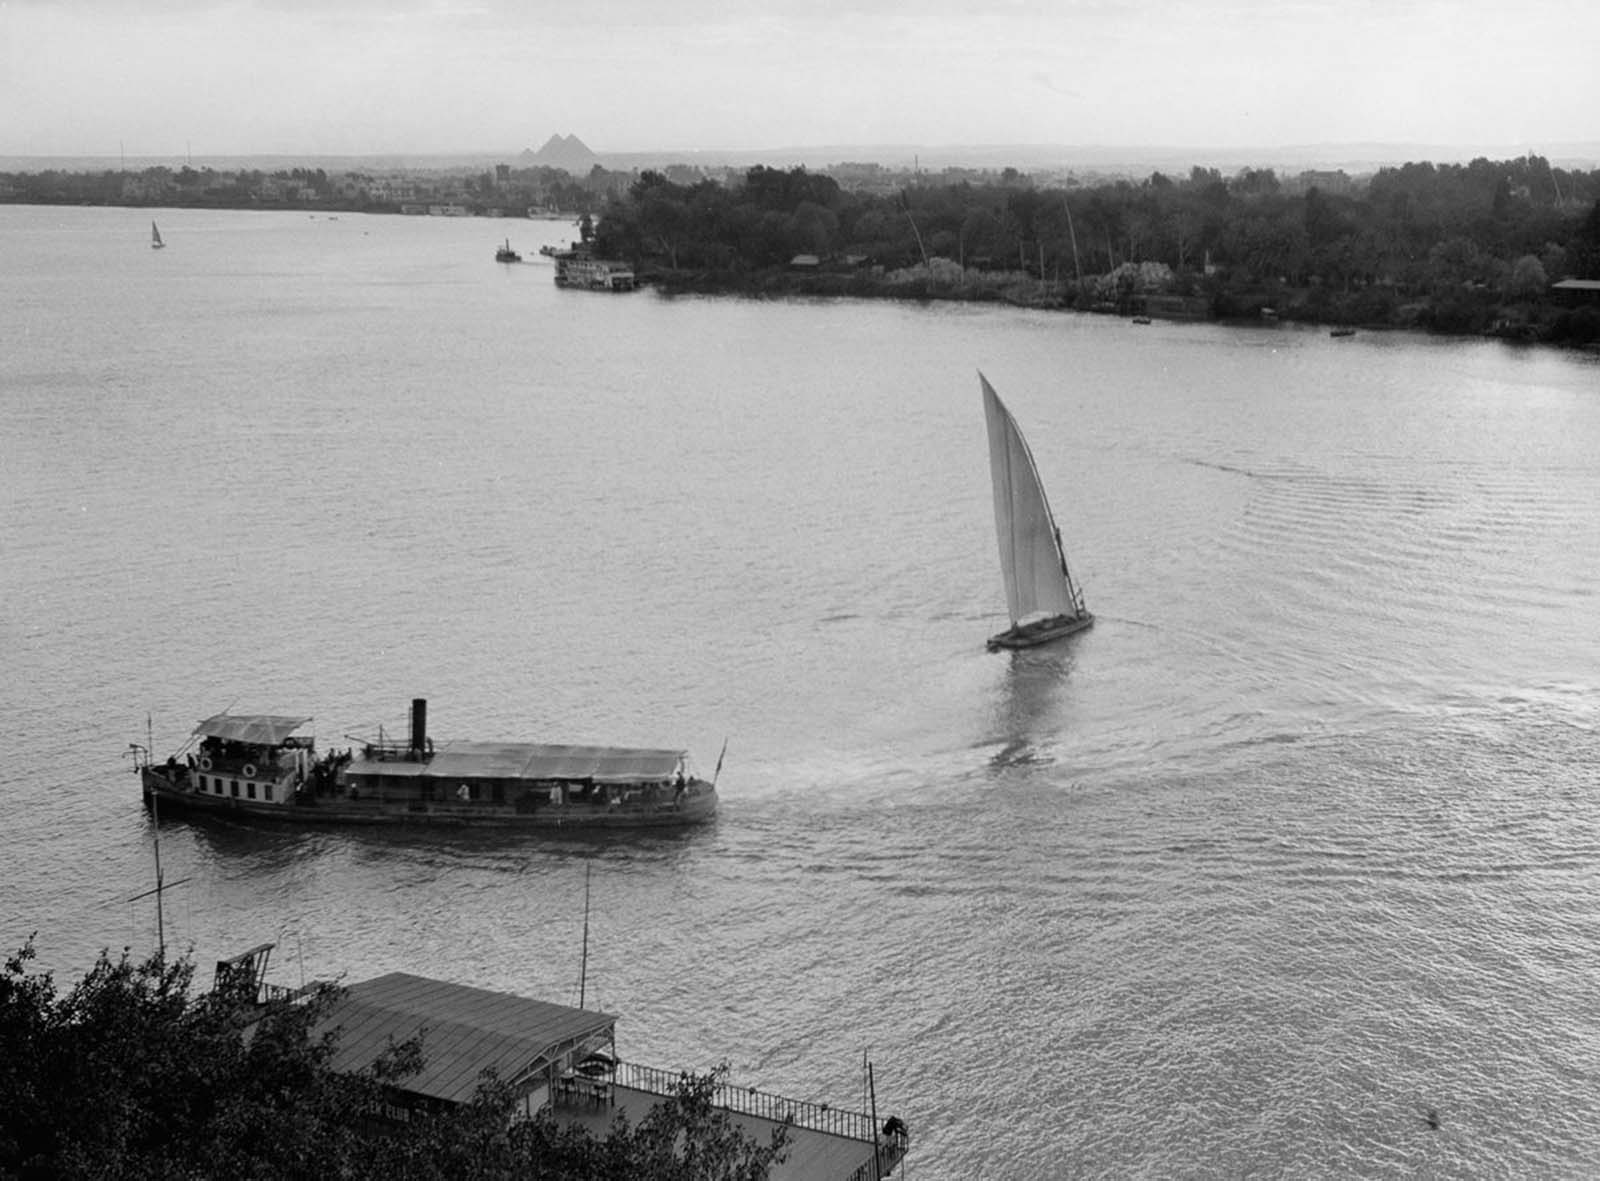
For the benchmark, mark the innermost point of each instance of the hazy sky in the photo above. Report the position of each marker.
(227, 77)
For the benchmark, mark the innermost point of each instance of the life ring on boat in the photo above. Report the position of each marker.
(249, 770)
(205, 762)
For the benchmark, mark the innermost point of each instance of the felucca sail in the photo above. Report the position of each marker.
(155, 238)
(1031, 559)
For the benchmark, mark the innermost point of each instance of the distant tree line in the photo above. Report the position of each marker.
(513, 190)
(1461, 248)
(128, 1075)
(1453, 248)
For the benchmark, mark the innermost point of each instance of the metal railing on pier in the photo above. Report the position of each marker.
(817, 1117)
(278, 994)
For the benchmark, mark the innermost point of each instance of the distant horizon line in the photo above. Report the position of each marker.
(1101, 153)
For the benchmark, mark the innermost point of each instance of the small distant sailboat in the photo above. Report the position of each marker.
(155, 237)
(1044, 603)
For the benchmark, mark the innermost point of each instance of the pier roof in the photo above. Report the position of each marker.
(464, 1030)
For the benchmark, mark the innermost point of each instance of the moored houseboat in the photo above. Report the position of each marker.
(265, 766)
(579, 268)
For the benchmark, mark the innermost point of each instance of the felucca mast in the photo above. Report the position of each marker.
(1061, 554)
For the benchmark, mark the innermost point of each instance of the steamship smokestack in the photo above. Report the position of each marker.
(419, 726)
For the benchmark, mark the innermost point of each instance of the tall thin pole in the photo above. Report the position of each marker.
(583, 972)
(161, 922)
(161, 885)
(155, 812)
(153, 793)
(906, 205)
(877, 1168)
(1073, 234)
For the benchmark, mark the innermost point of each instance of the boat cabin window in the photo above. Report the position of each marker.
(266, 790)
(233, 784)
(250, 790)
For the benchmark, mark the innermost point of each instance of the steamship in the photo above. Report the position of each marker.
(266, 766)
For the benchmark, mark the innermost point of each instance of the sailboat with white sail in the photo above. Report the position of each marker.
(1044, 602)
(155, 237)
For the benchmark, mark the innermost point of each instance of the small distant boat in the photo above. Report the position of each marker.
(1343, 332)
(1141, 319)
(506, 254)
(1043, 601)
(155, 238)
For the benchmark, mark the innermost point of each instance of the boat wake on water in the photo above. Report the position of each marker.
(1016, 752)
(1229, 468)
(1131, 622)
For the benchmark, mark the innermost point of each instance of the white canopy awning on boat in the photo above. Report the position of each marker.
(257, 729)
(529, 760)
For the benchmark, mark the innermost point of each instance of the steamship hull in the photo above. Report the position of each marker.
(170, 796)
(258, 767)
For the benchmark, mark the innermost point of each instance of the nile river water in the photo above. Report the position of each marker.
(1301, 841)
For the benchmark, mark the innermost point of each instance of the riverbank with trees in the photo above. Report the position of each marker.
(132, 1074)
(1508, 248)
(1464, 249)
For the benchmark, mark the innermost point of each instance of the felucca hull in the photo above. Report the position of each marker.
(1044, 631)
